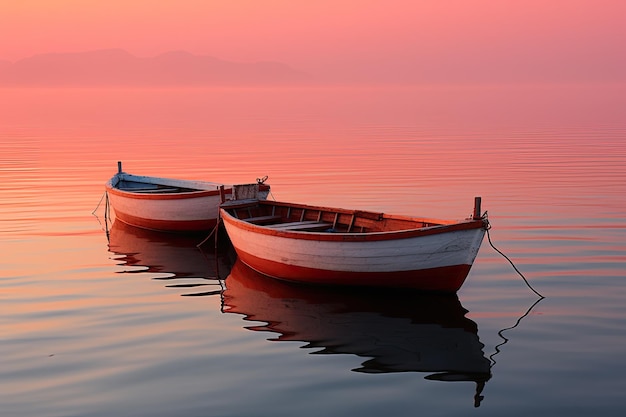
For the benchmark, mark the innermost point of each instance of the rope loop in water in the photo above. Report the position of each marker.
(511, 262)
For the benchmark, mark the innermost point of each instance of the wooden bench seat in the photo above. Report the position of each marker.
(262, 219)
(309, 225)
(237, 204)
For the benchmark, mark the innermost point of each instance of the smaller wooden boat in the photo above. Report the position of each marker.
(322, 245)
(173, 205)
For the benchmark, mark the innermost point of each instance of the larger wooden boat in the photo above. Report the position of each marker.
(173, 205)
(322, 245)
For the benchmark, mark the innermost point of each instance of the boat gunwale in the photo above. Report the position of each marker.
(195, 185)
(441, 226)
(164, 195)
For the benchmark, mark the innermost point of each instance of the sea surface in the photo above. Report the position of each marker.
(99, 319)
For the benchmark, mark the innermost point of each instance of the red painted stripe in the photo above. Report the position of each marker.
(167, 225)
(354, 237)
(173, 196)
(443, 279)
(164, 196)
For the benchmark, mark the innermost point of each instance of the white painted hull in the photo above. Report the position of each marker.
(435, 259)
(196, 210)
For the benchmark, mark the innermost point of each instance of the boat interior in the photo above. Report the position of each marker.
(298, 217)
(143, 187)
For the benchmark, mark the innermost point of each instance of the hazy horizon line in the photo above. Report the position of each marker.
(118, 66)
(180, 68)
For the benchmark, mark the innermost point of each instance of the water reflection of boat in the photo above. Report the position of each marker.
(399, 331)
(175, 255)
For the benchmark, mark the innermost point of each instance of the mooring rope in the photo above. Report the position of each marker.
(107, 212)
(512, 264)
(498, 347)
(213, 232)
(99, 202)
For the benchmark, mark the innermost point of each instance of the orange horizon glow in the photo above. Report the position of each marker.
(576, 40)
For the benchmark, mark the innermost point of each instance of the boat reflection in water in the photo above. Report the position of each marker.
(174, 255)
(399, 331)
(396, 330)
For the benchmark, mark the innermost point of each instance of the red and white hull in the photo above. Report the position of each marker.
(180, 213)
(433, 258)
(168, 204)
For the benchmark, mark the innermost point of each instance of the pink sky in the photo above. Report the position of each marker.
(431, 40)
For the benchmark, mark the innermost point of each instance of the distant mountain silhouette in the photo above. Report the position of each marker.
(118, 67)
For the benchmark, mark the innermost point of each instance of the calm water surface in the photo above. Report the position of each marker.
(132, 323)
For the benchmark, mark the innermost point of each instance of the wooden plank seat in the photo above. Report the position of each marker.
(236, 204)
(262, 219)
(309, 225)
